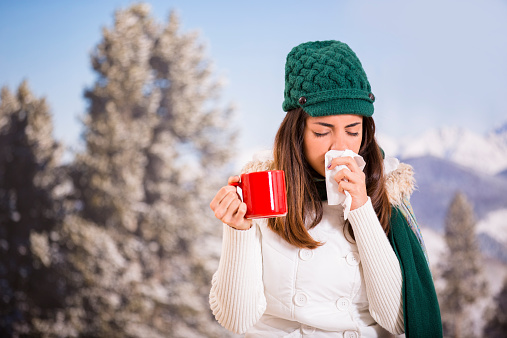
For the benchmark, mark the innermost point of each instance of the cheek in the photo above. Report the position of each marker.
(311, 148)
(355, 144)
(314, 153)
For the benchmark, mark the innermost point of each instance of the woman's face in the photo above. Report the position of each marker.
(334, 132)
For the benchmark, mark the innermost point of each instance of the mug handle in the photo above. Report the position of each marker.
(240, 185)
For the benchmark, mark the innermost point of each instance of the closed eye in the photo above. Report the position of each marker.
(320, 134)
(352, 134)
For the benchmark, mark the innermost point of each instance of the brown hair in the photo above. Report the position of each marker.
(304, 204)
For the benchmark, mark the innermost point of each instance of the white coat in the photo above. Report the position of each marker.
(322, 293)
(265, 287)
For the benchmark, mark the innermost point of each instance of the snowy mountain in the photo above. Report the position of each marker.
(448, 160)
(500, 133)
(495, 225)
(491, 236)
(438, 180)
(502, 174)
(483, 153)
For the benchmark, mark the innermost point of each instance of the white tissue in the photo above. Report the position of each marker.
(333, 196)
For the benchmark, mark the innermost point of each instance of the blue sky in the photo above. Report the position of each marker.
(430, 63)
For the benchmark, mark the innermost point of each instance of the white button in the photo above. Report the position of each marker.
(343, 304)
(305, 254)
(353, 258)
(350, 334)
(300, 299)
(306, 329)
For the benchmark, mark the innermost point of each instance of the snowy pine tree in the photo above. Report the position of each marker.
(108, 177)
(185, 168)
(462, 272)
(119, 122)
(31, 210)
(143, 243)
(496, 327)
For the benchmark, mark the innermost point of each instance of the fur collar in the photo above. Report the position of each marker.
(400, 182)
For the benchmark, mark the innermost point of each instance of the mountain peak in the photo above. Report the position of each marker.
(485, 154)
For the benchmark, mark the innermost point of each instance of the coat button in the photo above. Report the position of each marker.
(343, 304)
(305, 254)
(306, 329)
(350, 334)
(353, 258)
(302, 100)
(300, 299)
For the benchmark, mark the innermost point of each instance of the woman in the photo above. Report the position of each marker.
(314, 273)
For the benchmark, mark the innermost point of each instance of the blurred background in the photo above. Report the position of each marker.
(120, 120)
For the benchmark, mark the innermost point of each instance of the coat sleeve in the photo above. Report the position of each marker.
(237, 291)
(382, 272)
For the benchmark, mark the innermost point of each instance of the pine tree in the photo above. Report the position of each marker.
(30, 212)
(109, 175)
(185, 178)
(143, 242)
(496, 327)
(110, 264)
(462, 270)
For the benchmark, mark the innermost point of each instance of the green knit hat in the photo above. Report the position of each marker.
(326, 78)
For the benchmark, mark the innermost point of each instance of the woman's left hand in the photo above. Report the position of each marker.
(352, 180)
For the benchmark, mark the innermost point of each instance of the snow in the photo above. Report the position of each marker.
(484, 153)
(495, 225)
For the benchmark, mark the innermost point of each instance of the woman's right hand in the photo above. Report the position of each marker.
(228, 207)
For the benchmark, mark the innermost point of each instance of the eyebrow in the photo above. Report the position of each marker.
(332, 125)
(353, 125)
(325, 124)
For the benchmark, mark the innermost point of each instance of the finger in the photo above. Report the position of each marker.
(222, 200)
(351, 182)
(220, 196)
(347, 161)
(345, 175)
(230, 216)
(359, 196)
(239, 218)
(241, 211)
(233, 179)
(340, 175)
(225, 206)
(351, 187)
(236, 216)
(346, 186)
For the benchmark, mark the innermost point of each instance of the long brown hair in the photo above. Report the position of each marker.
(303, 201)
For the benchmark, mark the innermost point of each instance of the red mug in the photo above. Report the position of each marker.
(264, 193)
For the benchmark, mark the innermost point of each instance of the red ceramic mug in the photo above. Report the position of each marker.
(264, 193)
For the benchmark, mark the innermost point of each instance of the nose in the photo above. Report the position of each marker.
(338, 143)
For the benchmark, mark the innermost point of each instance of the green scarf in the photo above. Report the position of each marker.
(420, 305)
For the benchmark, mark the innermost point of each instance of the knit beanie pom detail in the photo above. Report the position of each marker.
(326, 78)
